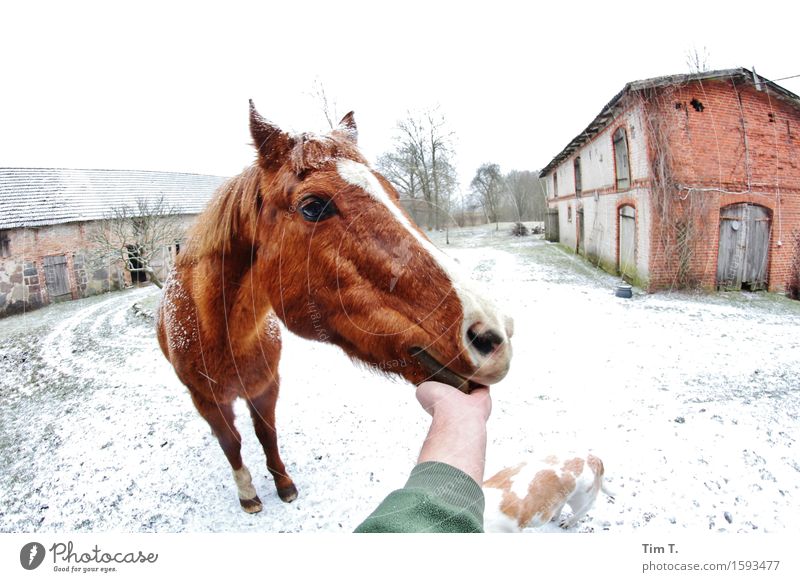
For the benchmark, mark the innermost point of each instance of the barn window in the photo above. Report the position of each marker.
(569, 213)
(555, 185)
(5, 244)
(621, 161)
(578, 182)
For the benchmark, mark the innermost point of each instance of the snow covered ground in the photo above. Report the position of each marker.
(690, 400)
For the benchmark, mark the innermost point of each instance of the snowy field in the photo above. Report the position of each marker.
(690, 400)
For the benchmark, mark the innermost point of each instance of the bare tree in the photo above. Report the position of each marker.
(527, 196)
(136, 235)
(698, 61)
(447, 179)
(488, 188)
(399, 167)
(421, 164)
(326, 104)
(517, 195)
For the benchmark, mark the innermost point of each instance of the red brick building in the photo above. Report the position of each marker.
(46, 219)
(685, 181)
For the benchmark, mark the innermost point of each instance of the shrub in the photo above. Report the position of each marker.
(519, 229)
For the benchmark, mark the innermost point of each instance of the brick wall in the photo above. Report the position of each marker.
(729, 144)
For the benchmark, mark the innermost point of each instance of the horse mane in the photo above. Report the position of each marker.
(232, 211)
(224, 218)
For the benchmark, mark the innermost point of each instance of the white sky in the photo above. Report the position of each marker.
(155, 86)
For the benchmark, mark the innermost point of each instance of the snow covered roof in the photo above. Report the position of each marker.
(609, 111)
(44, 196)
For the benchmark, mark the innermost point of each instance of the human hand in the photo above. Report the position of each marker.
(457, 435)
(443, 400)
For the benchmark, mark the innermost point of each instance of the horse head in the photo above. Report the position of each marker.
(343, 263)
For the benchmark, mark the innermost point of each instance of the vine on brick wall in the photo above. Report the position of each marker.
(680, 216)
(793, 286)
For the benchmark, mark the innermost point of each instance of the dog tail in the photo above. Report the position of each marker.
(599, 476)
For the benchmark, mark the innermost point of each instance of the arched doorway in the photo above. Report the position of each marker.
(744, 231)
(627, 242)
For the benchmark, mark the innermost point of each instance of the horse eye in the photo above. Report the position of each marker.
(315, 209)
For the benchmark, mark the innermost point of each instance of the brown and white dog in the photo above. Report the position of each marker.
(533, 494)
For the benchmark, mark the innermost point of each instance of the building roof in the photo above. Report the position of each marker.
(609, 111)
(44, 196)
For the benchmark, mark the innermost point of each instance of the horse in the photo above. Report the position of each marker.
(311, 236)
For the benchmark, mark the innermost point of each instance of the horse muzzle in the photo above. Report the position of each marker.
(494, 357)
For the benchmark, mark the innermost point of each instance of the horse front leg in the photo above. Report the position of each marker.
(221, 419)
(262, 410)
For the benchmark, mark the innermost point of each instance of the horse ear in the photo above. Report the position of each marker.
(272, 144)
(347, 127)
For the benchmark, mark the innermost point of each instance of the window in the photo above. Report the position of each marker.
(569, 213)
(555, 184)
(621, 162)
(577, 167)
(5, 244)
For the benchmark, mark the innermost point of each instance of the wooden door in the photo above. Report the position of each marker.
(744, 232)
(551, 226)
(756, 256)
(57, 277)
(627, 242)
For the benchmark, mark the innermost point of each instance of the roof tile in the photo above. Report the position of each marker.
(44, 196)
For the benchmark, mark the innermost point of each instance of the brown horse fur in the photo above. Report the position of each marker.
(364, 278)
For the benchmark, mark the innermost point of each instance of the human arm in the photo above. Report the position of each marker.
(443, 492)
(458, 428)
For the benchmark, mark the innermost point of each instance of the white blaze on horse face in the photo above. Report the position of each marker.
(476, 308)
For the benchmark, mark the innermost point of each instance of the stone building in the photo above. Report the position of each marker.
(46, 221)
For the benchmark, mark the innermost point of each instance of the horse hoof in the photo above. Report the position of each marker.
(251, 505)
(288, 494)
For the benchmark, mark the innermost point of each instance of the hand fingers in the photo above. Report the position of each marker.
(430, 394)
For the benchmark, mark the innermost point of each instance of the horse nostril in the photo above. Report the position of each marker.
(485, 342)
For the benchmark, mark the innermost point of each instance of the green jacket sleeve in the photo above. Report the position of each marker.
(437, 498)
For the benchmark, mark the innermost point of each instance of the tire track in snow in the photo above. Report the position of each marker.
(100, 326)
